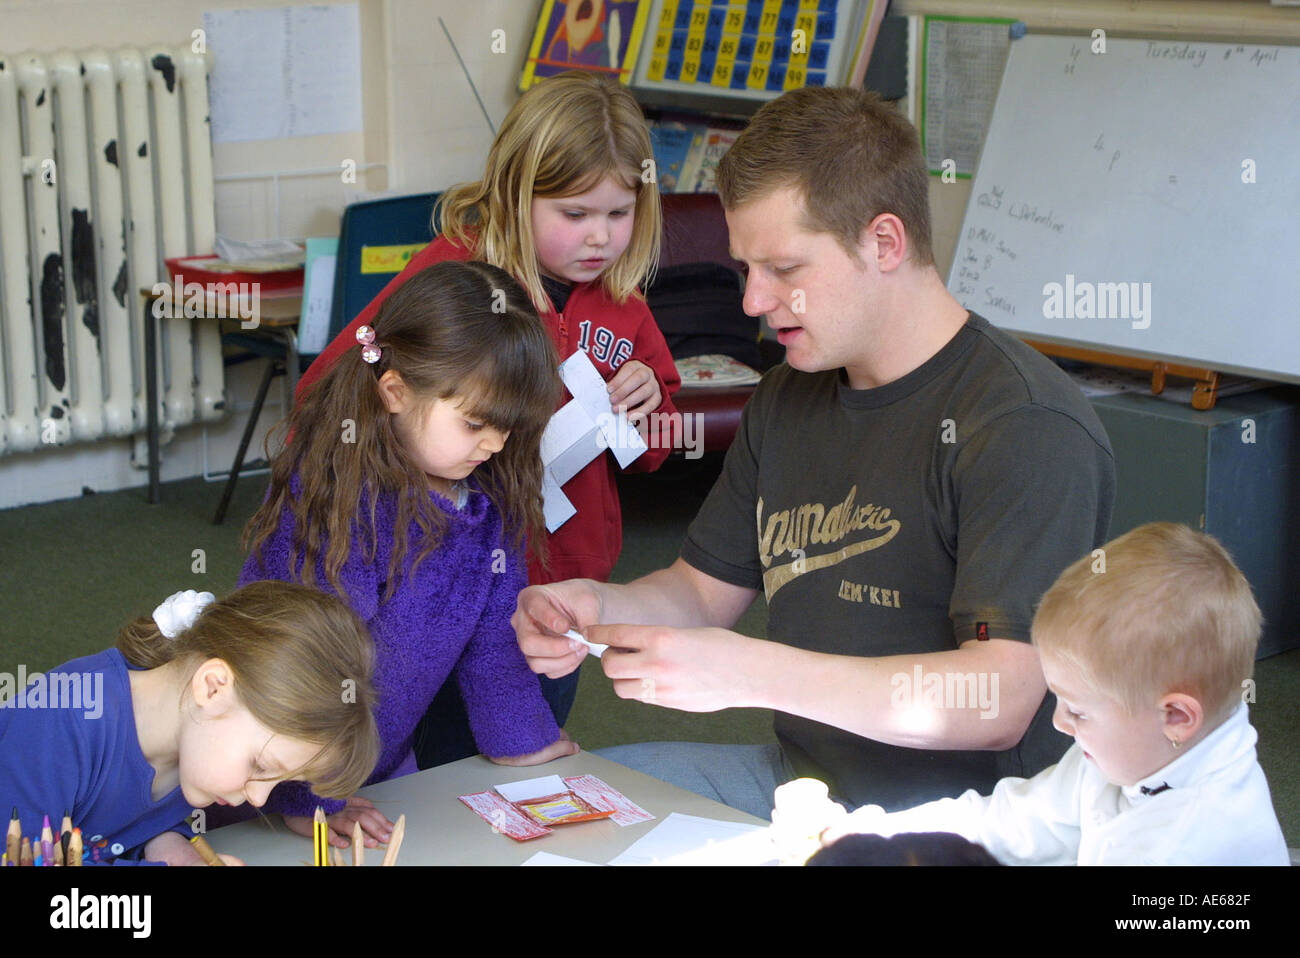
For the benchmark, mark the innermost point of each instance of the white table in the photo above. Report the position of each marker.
(442, 830)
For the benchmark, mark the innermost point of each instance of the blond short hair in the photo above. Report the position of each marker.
(849, 154)
(1161, 609)
(561, 138)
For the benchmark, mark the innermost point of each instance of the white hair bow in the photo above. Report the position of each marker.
(179, 610)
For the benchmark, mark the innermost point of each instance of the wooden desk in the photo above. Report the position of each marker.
(441, 830)
(275, 314)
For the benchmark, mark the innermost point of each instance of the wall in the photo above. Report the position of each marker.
(423, 129)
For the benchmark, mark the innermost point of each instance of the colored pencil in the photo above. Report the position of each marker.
(26, 855)
(14, 838)
(320, 836)
(205, 850)
(74, 849)
(358, 845)
(47, 839)
(65, 847)
(395, 841)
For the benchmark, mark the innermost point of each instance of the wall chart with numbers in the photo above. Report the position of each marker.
(748, 49)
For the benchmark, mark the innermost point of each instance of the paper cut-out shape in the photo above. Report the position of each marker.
(578, 432)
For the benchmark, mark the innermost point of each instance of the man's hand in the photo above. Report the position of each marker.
(635, 388)
(695, 670)
(561, 747)
(544, 613)
(375, 828)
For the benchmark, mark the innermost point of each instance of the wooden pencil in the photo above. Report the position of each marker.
(358, 845)
(14, 838)
(320, 836)
(26, 855)
(338, 855)
(395, 841)
(47, 839)
(205, 850)
(74, 849)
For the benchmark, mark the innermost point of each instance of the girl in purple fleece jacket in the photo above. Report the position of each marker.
(409, 485)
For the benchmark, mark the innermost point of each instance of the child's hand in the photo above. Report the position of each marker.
(561, 747)
(635, 389)
(174, 849)
(864, 820)
(375, 828)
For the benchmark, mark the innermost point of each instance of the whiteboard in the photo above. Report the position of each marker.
(1113, 208)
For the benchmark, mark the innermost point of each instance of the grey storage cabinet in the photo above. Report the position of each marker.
(1177, 464)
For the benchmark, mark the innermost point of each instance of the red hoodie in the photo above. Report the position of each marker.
(587, 546)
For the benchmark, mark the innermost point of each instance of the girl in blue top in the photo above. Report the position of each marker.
(206, 702)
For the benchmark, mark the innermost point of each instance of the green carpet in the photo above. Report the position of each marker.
(72, 572)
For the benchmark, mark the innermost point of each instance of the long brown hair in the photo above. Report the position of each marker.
(453, 329)
(302, 664)
(561, 138)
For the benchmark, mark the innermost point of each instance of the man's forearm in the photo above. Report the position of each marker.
(969, 698)
(677, 596)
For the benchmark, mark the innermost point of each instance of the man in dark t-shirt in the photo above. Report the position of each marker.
(903, 490)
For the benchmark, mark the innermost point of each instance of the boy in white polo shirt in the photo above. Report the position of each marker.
(1147, 644)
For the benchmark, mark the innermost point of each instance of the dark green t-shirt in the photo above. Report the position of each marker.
(906, 519)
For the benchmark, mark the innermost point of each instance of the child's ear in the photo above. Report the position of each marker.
(1184, 717)
(394, 392)
(213, 687)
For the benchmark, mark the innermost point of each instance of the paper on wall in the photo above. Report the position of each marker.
(284, 71)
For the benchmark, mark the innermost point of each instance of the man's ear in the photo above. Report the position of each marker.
(394, 392)
(884, 241)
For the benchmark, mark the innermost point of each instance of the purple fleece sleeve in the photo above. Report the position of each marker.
(503, 698)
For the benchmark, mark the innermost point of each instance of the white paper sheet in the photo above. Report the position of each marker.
(547, 858)
(690, 840)
(284, 71)
(595, 648)
(556, 507)
(963, 70)
(578, 432)
(531, 788)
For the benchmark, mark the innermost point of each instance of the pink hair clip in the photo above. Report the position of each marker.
(369, 351)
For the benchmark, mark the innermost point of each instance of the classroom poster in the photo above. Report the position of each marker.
(603, 36)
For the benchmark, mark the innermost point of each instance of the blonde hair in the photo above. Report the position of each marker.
(849, 154)
(561, 138)
(1160, 609)
(302, 664)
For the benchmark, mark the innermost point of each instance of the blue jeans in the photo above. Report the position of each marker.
(741, 776)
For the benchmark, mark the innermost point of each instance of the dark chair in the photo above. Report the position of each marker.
(695, 233)
(394, 222)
